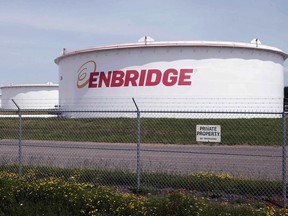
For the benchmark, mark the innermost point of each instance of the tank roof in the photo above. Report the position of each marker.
(220, 44)
(29, 85)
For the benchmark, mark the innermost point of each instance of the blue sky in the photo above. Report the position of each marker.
(33, 32)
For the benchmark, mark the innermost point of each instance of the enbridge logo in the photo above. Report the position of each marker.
(87, 75)
(83, 77)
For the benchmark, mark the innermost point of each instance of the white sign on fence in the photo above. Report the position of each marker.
(208, 133)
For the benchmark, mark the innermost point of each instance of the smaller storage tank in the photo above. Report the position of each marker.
(30, 96)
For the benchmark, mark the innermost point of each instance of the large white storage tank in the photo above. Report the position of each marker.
(182, 75)
(30, 96)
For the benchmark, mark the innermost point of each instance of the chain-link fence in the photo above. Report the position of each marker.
(223, 155)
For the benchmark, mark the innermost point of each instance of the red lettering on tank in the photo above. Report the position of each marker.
(131, 77)
(170, 77)
(185, 77)
(104, 79)
(117, 79)
(93, 80)
(153, 77)
(144, 77)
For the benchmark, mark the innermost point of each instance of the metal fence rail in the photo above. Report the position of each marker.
(151, 150)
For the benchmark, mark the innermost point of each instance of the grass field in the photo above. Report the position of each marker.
(251, 131)
(157, 182)
(58, 196)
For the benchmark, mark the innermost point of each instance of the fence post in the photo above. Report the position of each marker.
(19, 140)
(138, 147)
(284, 177)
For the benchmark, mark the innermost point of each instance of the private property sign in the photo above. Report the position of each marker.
(208, 133)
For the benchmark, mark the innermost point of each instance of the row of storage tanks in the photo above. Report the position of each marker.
(182, 75)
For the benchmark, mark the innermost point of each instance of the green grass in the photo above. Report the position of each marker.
(254, 131)
(205, 183)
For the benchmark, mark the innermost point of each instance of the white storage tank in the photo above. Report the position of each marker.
(30, 96)
(181, 75)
